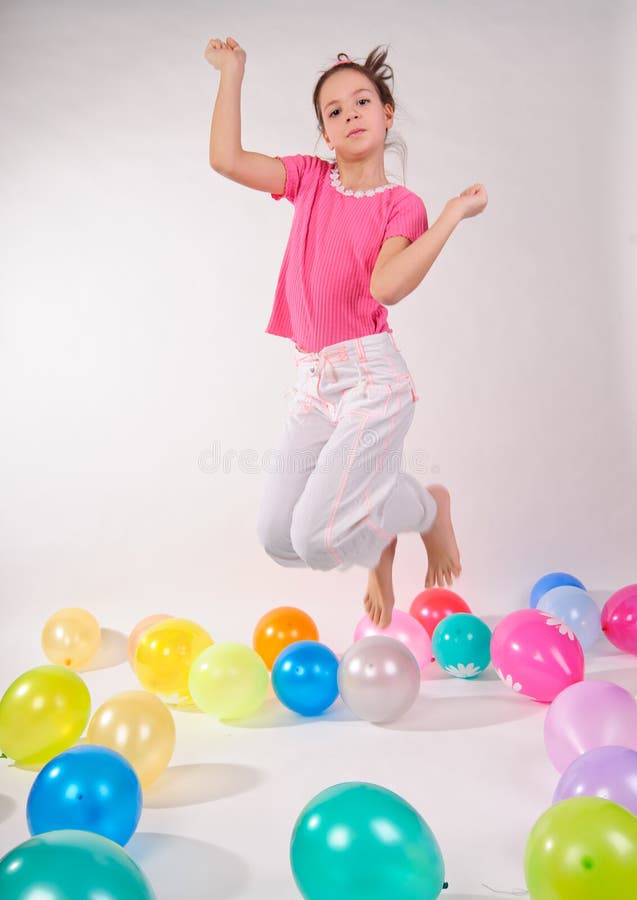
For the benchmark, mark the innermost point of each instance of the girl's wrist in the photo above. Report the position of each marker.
(454, 210)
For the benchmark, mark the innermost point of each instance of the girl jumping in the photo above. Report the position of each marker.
(357, 245)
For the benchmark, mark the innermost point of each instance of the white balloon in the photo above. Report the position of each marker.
(378, 678)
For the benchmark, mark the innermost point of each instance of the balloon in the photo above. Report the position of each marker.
(140, 727)
(71, 637)
(71, 865)
(588, 715)
(608, 772)
(378, 678)
(434, 604)
(461, 645)
(552, 580)
(584, 848)
(575, 608)
(304, 677)
(86, 788)
(280, 627)
(404, 628)
(164, 655)
(619, 619)
(137, 632)
(536, 654)
(228, 680)
(43, 712)
(359, 841)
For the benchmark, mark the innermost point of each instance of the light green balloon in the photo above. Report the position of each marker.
(71, 865)
(229, 681)
(583, 848)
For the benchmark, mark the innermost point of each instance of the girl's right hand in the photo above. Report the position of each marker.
(226, 57)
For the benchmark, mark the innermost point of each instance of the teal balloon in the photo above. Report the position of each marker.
(71, 865)
(461, 644)
(360, 841)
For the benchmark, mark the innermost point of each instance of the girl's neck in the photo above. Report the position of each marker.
(363, 176)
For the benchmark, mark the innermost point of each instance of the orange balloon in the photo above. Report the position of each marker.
(137, 632)
(279, 628)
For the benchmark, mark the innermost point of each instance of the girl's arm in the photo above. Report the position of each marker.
(226, 155)
(225, 128)
(398, 273)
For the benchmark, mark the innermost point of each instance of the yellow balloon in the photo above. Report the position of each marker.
(71, 637)
(164, 655)
(140, 727)
(137, 632)
(42, 714)
(229, 681)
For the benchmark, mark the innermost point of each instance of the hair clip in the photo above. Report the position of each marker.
(341, 61)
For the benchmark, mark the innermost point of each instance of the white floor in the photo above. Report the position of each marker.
(469, 756)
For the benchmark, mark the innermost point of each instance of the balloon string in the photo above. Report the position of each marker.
(514, 893)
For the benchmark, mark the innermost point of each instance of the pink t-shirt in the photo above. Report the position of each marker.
(322, 295)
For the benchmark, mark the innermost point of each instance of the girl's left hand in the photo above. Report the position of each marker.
(471, 201)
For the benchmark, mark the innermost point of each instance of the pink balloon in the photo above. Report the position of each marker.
(619, 619)
(588, 715)
(536, 654)
(404, 628)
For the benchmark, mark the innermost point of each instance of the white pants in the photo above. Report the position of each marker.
(335, 494)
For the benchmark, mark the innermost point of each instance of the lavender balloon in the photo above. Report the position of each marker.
(575, 608)
(608, 772)
(378, 678)
(586, 715)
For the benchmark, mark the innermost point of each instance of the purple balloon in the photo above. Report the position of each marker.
(586, 715)
(608, 772)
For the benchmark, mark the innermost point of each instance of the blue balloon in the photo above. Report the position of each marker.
(547, 582)
(86, 788)
(304, 677)
(575, 608)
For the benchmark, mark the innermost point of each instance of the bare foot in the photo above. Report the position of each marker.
(379, 599)
(443, 558)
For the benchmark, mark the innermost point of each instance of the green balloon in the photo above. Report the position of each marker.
(42, 713)
(71, 865)
(228, 680)
(584, 848)
(359, 841)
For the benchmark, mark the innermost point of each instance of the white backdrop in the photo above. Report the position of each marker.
(139, 392)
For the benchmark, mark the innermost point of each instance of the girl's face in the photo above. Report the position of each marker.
(348, 100)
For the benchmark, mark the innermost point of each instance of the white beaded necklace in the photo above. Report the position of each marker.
(336, 182)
